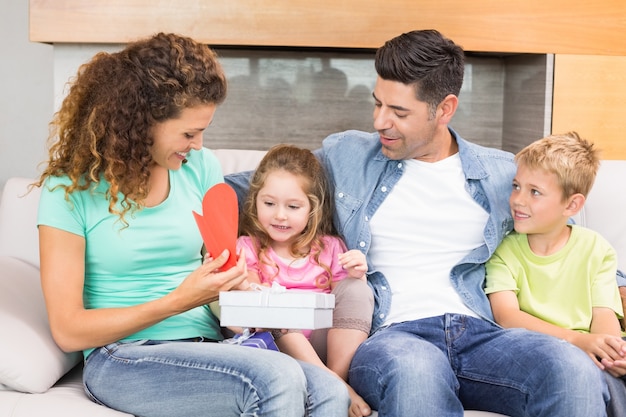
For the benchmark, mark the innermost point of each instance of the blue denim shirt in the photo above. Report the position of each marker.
(362, 177)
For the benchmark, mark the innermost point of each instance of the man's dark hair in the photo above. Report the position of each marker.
(425, 58)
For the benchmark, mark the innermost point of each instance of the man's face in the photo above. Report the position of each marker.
(407, 127)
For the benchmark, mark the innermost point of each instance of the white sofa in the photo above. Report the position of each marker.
(38, 379)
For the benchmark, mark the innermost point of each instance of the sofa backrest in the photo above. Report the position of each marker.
(238, 160)
(18, 220)
(604, 210)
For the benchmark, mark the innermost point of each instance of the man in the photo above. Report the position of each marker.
(428, 209)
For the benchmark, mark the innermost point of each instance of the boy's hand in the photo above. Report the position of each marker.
(603, 349)
(354, 262)
(616, 366)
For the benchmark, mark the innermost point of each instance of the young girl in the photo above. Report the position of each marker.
(288, 238)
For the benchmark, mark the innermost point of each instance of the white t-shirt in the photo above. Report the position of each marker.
(430, 213)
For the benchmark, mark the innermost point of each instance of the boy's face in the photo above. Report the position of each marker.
(537, 203)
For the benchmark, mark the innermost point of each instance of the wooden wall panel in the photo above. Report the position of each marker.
(553, 26)
(589, 96)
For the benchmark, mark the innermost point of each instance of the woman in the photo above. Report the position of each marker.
(121, 263)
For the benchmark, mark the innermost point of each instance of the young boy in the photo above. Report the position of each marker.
(553, 277)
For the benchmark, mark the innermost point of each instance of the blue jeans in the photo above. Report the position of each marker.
(617, 389)
(152, 378)
(440, 365)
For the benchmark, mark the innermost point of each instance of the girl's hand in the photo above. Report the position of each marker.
(358, 406)
(354, 262)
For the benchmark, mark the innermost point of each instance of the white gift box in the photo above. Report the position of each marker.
(289, 309)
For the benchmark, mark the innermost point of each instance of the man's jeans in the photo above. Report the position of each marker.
(438, 366)
(617, 389)
(149, 378)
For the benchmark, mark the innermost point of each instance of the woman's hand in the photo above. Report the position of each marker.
(205, 283)
(245, 284)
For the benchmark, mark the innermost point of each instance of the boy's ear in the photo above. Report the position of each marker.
(574, 205)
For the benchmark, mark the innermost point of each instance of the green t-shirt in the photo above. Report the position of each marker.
(561, 288)
(148, 259)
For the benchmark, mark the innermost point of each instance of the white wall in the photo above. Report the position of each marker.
(26, 94)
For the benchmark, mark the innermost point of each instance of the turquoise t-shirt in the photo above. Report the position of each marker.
(149, 258)
(561, 288)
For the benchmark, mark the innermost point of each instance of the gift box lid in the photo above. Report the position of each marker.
(287, 298)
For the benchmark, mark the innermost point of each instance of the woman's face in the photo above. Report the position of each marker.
(174, 138)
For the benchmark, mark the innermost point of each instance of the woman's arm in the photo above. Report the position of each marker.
(75, 328)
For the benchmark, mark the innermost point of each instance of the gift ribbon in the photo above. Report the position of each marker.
(245, 335)
(276, 288)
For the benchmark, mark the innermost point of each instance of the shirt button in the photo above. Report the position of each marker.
(383, 288)
(362, 244)
(367, 218)
(340, 195)
(383, 189)
(382, 316)
(399, 164)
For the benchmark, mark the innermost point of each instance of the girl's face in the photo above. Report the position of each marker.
(174, 138)
(283, 208)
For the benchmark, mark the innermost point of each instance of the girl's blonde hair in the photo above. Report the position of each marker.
(303, 164)
(104, 127)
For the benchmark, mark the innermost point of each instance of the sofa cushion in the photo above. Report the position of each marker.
(30, 360)
(66, 398)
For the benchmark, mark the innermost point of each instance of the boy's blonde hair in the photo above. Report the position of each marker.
(574, 160)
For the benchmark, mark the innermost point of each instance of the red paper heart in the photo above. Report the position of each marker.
(218, 222)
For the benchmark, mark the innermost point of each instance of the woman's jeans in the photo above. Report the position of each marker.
(440, 365)
(152, 378)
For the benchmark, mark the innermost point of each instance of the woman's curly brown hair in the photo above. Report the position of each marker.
(103, 129)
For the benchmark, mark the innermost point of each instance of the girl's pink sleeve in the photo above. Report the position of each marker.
(334, 247)
(252, 261)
